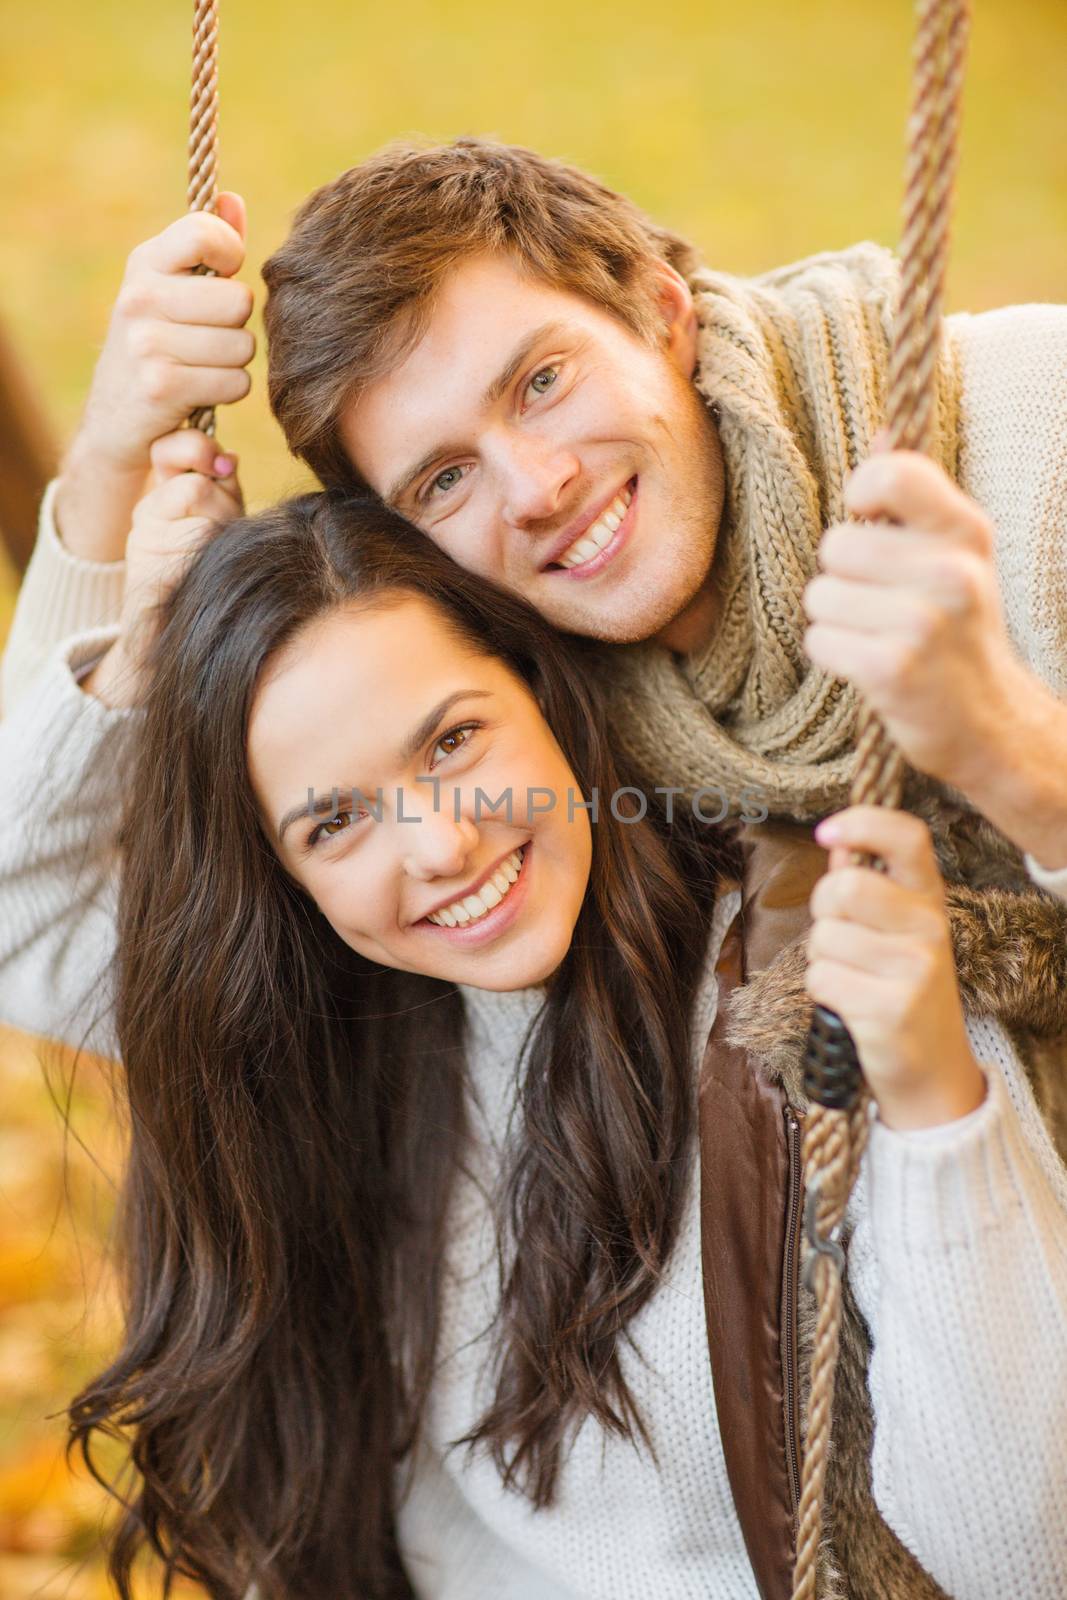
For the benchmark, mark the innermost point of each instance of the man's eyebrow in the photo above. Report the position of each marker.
(518, 358)
(409, 747)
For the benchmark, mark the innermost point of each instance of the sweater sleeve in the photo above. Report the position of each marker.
(60, 800)
(61, 595)
(1013, 461)
(959, 1264)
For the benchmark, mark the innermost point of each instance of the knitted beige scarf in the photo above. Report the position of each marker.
(793, 365)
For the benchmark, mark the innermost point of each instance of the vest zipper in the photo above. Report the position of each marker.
(790, 1295)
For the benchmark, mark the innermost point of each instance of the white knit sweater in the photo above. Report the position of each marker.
(959, 1256)
(959, 1252)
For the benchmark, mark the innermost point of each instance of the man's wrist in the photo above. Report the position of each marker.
(94, 501)
(1022, 786)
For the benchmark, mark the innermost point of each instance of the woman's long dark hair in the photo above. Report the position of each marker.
(297, 1113)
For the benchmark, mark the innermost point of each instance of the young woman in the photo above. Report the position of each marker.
(412, 981)
(291, 1012)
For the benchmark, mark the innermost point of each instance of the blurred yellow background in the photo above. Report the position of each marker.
(764, 131)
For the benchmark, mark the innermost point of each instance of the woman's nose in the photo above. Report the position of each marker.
(438, 846)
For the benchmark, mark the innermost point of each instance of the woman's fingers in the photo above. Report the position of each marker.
(906, 899)
(864, 898)
(880, 956)
(902, 841)
(170, 525)
(871, 1006)
(863, 949)
(192, 494)
(190, 451)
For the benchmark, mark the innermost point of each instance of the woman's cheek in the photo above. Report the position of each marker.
(512, 787)
(349, 895)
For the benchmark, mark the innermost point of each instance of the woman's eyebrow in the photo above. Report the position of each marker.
(409, 748)
(419, 735)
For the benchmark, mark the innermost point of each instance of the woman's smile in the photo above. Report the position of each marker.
(490, 906)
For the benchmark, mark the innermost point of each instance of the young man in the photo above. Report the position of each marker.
(554, 390)
(507, 352)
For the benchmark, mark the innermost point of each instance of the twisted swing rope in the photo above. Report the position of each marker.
(835, 1138)
(204, 140)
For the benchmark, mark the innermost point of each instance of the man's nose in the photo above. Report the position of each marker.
(537, 473)
(436, 846)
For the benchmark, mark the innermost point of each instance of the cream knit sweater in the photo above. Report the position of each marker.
(959, 1258)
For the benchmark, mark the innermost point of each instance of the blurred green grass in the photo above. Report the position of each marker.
(764, 132)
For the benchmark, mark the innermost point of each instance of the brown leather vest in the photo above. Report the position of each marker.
(751, 1206)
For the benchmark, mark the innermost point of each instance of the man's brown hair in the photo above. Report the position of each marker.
(351, 289)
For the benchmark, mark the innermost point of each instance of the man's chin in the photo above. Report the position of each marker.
(610, 624)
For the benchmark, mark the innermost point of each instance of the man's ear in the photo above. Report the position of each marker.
(678, 314)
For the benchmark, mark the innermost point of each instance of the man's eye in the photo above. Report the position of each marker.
(542, 381)
(447, 479)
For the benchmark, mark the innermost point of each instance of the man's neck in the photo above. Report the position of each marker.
(694, 624)
(692, 627)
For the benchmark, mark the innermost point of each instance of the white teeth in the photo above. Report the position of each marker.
(582, 551)
(603, 530)
(492, 891)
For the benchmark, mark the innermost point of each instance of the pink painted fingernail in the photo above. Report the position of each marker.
(828, 832)
(223, 467)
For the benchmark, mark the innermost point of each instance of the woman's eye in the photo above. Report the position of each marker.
(542, 381)
(322, 830)
(453, 740)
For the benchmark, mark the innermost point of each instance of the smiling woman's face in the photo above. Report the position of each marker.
(423, 876)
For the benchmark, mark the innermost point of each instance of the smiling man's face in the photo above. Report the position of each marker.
(541, 443)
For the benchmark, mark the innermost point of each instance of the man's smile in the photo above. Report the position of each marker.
(588, 546)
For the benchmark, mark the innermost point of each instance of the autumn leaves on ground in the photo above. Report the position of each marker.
(47, 1265)
(60, 1150)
